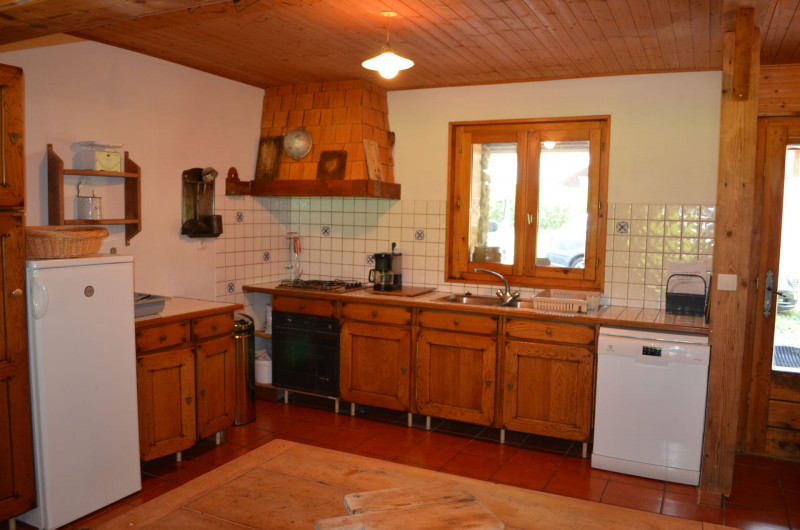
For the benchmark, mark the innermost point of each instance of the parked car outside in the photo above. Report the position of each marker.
(568, 245)
(787, 300)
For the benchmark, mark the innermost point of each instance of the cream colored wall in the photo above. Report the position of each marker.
(664, 130)
(168, 117)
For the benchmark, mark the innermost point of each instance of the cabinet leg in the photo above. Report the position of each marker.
(12, 524)
(178, 456)
(502, 436)
(286, 396)
(427, 423)
(352, 409)
(585, 450)
(219, 437)
(336, 405)
(410, 419)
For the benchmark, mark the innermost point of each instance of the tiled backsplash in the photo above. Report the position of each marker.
(339, 236)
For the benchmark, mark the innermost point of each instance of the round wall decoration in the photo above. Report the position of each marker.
(297, 143)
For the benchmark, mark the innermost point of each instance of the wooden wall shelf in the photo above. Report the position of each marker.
(133, 192)
(314, 188)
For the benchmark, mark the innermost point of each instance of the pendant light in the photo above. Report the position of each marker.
(387, 63)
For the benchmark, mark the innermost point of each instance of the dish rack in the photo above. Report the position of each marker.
(564, 301)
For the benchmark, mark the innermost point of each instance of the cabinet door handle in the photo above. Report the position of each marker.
(302, 306)
(215, 327)
(488, 383)
(403, 371)
(188, 400)
(510, 386)
(203, 393)
(548, 331)
(374, 314)
(163, 337)
(16, 293)
(455, 322)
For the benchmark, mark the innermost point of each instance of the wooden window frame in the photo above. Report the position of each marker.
(527, 134)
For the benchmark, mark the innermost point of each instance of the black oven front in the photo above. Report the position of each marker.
(305, 353)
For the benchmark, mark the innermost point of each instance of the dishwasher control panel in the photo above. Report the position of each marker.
(652, 351)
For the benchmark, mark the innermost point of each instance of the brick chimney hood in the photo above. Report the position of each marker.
(347, 120)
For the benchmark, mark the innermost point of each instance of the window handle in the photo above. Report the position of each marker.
(530, 218)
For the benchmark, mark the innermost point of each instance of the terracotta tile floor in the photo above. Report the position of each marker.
(766, 492)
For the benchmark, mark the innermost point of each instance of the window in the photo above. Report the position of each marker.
(526, 199)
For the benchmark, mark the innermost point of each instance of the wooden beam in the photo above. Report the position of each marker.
(734, 235)
(742, 70)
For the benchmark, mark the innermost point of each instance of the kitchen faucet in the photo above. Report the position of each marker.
(505, 296)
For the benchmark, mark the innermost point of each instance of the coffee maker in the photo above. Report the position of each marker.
(388, 272)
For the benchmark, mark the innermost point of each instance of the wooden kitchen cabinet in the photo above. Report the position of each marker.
(17, 479)
(185, 378)
(456, 368)
(375, 356)
(548, 378)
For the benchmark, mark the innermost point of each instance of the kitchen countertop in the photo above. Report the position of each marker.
(606, 316)
(176, 309)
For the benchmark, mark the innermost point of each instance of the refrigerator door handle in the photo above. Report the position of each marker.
(38, 298)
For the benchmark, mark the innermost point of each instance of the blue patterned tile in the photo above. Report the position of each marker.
(239, 217)
(370, 259)
(326, 231)
(266, 255)
(623, 227)
(231, 288)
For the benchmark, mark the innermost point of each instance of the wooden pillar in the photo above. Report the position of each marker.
(735, 219)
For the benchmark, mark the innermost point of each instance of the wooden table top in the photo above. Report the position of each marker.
(284, 484)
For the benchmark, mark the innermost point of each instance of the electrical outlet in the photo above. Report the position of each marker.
(726, 282)
(201, 245)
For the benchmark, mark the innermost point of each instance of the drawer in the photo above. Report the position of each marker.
(466, 322)
(306, 306)
(158, 337)
(377, 313)
(549, 331)
(203, 328)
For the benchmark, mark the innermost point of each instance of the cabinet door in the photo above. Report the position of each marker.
(12, 148)
(215, 386)
(375, 362)
(548, 389)
(17, 493)
(165, 383)
(456, 376)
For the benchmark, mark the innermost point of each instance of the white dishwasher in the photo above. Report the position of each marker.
(650, 405)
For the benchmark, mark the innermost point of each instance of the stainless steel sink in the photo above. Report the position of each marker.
(521, 304)
(469, 299)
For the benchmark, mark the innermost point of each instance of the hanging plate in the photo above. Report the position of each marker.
(297, 143)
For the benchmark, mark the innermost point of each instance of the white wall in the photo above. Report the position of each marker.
(168, 117)
(664, 130)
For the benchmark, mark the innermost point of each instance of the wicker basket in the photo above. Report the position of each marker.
(63, 241)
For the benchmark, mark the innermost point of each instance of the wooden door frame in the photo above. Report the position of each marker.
(773, 136)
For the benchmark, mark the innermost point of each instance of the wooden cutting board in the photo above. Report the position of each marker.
(269, 157)
(406, 291)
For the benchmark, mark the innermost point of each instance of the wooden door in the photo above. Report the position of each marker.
(165, 385)
(773, 411)
(456, 376)
(216, 395)
(375, 363)
(12, 148)
(548, 389)
(17, 492)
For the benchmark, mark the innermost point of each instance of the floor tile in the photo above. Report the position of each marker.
(754, 518)
(385, 447)
(631, 496)
(530, 477)
(581, 487)
(753, 460)
(755, 495)
(682, 505)
(344, 438)
(643, 482)
(582, 466)
(534, 458)
(429, 456)
(473, 465)
(760, 475)
(489, 449)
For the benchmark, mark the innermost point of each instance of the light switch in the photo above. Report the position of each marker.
(726, 282)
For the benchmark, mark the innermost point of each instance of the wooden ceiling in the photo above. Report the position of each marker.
(453, 42)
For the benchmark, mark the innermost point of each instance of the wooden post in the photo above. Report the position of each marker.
(735, 219)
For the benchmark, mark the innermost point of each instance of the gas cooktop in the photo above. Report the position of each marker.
(322, 285)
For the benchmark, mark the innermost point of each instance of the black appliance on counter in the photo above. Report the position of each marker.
(388, 272)
(305, 353)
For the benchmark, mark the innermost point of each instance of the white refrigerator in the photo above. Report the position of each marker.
(83, 386)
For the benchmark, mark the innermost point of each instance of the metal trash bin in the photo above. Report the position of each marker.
(244, 370)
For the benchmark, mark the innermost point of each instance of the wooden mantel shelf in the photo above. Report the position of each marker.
(314, 188)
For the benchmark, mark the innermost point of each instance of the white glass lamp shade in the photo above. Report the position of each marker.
(387, 63)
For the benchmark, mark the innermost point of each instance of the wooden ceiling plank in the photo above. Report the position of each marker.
(790, 19)
(539, 39)
(608, 25)
(623, 17)
(772, 32)
(39, 18)
(682, 28)
(700, 11)
(591, 26)
(716, 33)
(661, 26)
